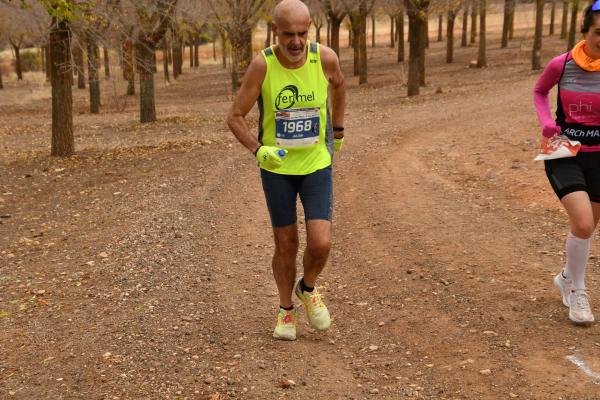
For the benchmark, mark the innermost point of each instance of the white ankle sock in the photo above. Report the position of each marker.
(578, 251)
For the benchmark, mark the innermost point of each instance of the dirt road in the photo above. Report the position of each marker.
(141, 267)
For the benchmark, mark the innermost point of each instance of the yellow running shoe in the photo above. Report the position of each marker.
(316, 311)
(286, 324)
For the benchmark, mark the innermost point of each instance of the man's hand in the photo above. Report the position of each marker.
(270, 157)
(337, 144)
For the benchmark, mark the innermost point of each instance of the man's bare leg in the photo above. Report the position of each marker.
(284, 262)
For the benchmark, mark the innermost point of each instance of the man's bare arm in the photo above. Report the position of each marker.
(333, 72)
(244, 101)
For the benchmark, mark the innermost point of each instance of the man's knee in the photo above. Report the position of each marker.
(319, 246)
(287, 245)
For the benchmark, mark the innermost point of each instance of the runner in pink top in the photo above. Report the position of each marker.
(575, 180)
(578, 110)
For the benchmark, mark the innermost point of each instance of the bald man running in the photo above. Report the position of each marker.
(300, 92)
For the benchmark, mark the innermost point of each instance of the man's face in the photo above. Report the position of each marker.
(292, 33)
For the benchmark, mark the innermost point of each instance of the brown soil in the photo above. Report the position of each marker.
(140, 268)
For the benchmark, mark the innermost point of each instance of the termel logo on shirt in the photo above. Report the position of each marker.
(288, 96)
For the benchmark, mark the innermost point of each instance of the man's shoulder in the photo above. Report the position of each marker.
(255, 73)
(259, 61)
(258, 65)
(328, 55)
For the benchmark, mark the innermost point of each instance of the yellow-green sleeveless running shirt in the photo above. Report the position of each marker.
(294, 113)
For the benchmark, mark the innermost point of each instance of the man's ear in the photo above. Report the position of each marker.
(274, 28)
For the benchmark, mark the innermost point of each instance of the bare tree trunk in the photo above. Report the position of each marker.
(128, 64)
(573, 26)
(144, 61)
(18, 68)
(465, 20)
(196, 51)
(440, 27)
(511, 29)
(250, 47)
(224, 49)
(506, 23)
(193, 51)
(363, 76)
(424, 39)
(74, 66)
(426, 32)
(392, 35)
(241, 53)
(400, 31)
(177, 56)
(414, 37)
(80, 66)
(318, 31)
(552, 17)
(165, 50)
(356, 42)
(48, 63)
(1, 83)
(214, 46)
(373, 29)
(43, 56)
(450, 37)
(536, 62)
(481, 59)
(63, 142)
(335, 23)
(93, 53)
(474, 6)
(564, 19)
(106, 64)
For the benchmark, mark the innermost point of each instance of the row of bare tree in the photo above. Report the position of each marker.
(71, 34)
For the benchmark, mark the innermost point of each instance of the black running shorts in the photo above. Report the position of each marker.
(573, 174)
(315, 191)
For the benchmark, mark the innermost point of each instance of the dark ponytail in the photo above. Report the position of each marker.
(588, 17)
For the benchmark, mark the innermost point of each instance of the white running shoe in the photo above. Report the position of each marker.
(286, 324)
(579, 310)
(564, 285)
(316, 310)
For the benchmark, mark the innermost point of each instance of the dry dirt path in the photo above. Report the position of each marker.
(442, 260)
(145, 272)
(446, 240)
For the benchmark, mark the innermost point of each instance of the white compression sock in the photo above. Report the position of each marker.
(578, 251)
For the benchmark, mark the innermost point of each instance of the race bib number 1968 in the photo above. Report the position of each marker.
(297, 127)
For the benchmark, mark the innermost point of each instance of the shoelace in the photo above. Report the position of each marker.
(316, 300)
(581, 299)
(287, 318)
